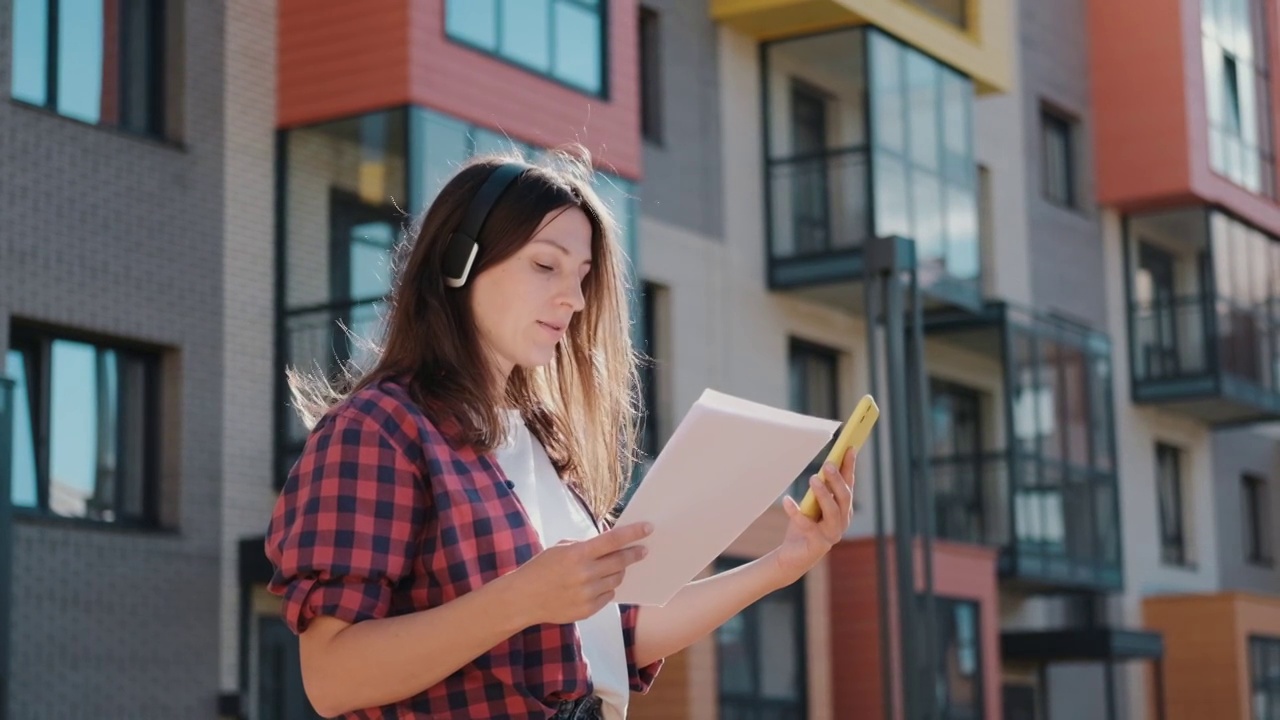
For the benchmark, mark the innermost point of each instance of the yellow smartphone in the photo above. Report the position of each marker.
(855, 432)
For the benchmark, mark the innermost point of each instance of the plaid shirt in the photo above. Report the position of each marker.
(384, 515)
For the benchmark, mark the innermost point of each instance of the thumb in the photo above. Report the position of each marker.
(791, 507)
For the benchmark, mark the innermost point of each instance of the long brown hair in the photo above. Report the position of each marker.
(582, 406)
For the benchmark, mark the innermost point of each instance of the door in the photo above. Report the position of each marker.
(809, 188)
(280, 693)
(1159, 350)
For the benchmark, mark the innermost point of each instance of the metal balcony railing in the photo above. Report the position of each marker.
(819, 203)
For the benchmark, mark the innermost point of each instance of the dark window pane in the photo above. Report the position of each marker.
(141, 79)
(23, 491)
(31, 51)
(734, 656)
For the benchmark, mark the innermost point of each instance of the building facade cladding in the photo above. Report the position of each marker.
(119, 237)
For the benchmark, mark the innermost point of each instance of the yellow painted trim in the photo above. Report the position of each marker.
(983, 50)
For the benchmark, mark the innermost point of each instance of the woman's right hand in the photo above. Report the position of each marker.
(572, 580)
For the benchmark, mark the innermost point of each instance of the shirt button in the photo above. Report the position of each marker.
(510, 485)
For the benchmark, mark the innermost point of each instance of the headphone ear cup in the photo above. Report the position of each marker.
(462, 247)
(459, 255)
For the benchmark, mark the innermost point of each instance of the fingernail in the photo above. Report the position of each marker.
(815, 481)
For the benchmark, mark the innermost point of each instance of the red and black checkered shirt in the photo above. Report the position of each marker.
(383, 515)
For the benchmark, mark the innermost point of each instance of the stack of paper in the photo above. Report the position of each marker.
(725, 464)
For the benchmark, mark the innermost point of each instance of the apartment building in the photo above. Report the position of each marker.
(116, 136)
(1056, 278)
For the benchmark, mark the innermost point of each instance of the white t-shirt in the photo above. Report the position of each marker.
(557, 515)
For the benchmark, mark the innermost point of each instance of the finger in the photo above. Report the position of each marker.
(826, 500)
(838, 485)
(617, 538)
(790, 506)
(847, 467)
(618, 560)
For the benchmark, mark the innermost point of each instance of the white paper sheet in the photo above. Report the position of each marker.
(728, 460)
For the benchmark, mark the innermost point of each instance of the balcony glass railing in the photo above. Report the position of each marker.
(866, 135)
(1197, 336)
(1048, 498)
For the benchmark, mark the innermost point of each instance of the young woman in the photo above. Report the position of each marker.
(444, 545)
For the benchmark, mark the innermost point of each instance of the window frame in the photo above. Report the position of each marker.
(599, 7)
(1254, 495)
(649, 47)
(944, 606)
(1053, 120)
(1261, 645)
(36, 343)
(794, 593)
(799, 349)
(1173, 541)
(155, 122)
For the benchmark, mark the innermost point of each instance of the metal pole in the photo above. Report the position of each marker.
(873, 309)
(923, 490)
(6, 538)
(884, 261)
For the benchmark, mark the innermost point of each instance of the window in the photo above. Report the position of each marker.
(1173, 541)
(650, 75)
(649, 346)
(957, 455)
(1237, 92)
(562, 39)
(958, 672)
(1257, 520)
(761, 656)
(85, 431)
(923, 168)
(1058, 158)
(814, 391)
(96, 61)
(1264, 677)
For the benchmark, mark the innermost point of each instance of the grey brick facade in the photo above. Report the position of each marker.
(121, 237)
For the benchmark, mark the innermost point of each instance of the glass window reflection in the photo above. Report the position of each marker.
(562, 39)
(82, 429)
(99, 62)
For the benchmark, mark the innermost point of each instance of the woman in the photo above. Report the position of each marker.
(443, 544)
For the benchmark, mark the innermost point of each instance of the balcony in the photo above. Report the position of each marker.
(1040, 482)
(866, 136)
(1204, 316)
(973, 36)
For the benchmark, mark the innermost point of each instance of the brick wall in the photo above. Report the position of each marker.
(121, 236)
(248, 296)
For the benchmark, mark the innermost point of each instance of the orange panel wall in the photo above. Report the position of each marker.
(478, 87)
(1137, 68)
(959, 571)
(1206, 640)
(1150, 122)
(339, 58)
(668, 697)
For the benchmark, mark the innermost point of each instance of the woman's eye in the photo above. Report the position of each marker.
(544, 268)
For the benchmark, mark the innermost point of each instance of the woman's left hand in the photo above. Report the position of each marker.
(808, 540)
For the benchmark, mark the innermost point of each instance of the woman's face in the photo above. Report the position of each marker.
(523, 304)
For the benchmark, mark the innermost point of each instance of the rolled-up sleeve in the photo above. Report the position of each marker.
(346, 526)
(641, 678)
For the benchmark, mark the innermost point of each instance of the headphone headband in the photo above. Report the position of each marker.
(462, 246)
